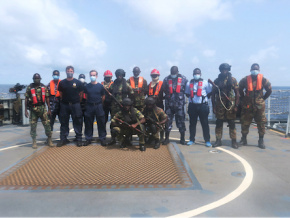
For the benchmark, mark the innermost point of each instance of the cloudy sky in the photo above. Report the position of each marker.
(39, 36)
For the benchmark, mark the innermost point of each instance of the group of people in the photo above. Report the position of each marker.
(137, 108)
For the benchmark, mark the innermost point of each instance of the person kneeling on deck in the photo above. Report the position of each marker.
(128, 122)
(253, 103)
(155, 119)
(35, 97)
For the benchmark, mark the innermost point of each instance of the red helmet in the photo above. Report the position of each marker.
(108, 74)
(154, 71)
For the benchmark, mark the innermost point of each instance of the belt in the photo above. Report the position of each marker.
(95, 103)
(70, 103)
(198, 103)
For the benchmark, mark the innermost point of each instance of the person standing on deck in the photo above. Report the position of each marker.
(108, 99)
(253, 103)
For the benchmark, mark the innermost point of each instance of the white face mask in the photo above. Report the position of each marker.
(155, 79)
(196, 76)
(255, 72)
(82, 80)
(173, 76)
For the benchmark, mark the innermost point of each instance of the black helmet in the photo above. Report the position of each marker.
(127, 102)
(82, 76)
(225, 66)
(150, 101)
(120, 72)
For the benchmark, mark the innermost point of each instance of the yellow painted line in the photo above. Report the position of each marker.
(280, 133)
(231, 196)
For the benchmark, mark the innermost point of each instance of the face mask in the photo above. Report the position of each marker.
(196, 76)
(55, 77)
(93, 78)
(82, 80)
(173, 76)
(155, 79)
(255, 72)
(36, 81)
(107, 79)
(69, 75)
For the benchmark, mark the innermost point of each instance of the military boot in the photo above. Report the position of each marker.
(157, 144)
(243, 140)
(49, 142)
(234, 144)
(166, 141)
(182, 138)
(261, 143)
(142, 147)
(217, 143)
(34, 145)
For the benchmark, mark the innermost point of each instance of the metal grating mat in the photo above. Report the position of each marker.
(97, 167)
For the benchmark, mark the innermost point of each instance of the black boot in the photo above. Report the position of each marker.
(243, 140)
(142, 147)
(103, 142)
(261, 143)
(157, 144)
(234, 144)
(182, 138)
(166, 141)
(217, 143)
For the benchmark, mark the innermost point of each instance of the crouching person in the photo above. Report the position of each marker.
(128, 122)
(35, 97)
(155, 120)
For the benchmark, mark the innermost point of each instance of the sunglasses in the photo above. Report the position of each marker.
(154, 75)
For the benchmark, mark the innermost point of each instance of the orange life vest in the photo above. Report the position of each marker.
(34, 98)
(140, 83)
(158, 88)
(250, 82)
(109, 84)
(199, 89)
(178, 87)
(52, 88)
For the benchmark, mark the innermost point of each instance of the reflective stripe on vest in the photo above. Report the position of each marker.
(34, 98)
(158, 88)
(179, 81)
(140, 83)
(250, 83)
(52, 88)
(170, 86)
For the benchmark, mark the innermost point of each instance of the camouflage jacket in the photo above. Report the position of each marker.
(38, 93)
(120, 115)
(120, 93)
(157, 114)
(174, 99)
(228, 90)
(108, 98)
(254, 97)
(139, 93)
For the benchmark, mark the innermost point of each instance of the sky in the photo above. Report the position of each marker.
(39, 36)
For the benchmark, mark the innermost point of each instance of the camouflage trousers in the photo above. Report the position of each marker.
(115, 108)
(39, 112)
(151, 128)
(247, 116)
(219, 129)
(125, 132)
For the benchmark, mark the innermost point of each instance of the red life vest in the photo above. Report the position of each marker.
(158, 88)
(34, 98)
(140, 83)
(250, 82)
(199, 89)
(52, 88)
(178, 87)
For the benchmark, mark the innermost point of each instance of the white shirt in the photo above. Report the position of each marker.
(206, 88)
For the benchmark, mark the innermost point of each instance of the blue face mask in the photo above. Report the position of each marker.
(196, 76)
(55, 77)
(93, 78)
(173, 76)
(255, 72)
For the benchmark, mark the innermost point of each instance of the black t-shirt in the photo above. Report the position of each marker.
(70, 90)
(94, 92)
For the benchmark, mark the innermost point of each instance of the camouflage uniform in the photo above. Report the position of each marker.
(158, 115)
(108, 100)
(139, 94)
(253, 106)
(174, 103)
(127, 131)
(54, 103)
(221, 113)
(119, 93)
(38, 111)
